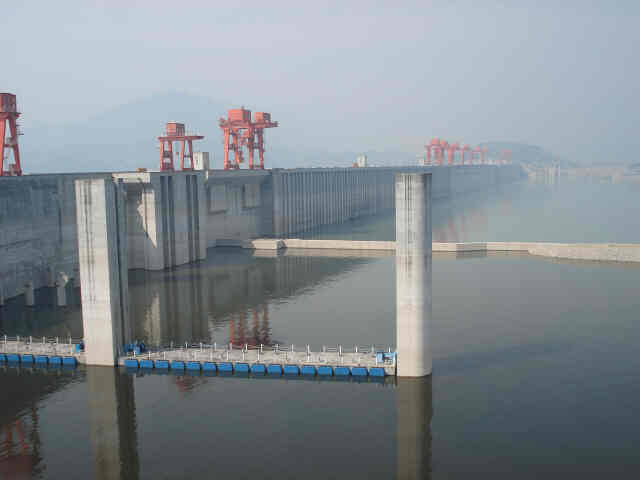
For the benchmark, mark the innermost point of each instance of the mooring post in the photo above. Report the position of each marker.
(413, 274)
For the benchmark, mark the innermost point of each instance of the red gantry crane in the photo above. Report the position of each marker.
(451, 152)
(9, 114)
(433, 147)
(434, 153)
(239, 131)
(174, 132)
(465, 148)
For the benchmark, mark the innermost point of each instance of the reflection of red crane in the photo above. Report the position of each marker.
(174, 132)
(21, 463)
(240, 131)
(9, 113)
(240, 335)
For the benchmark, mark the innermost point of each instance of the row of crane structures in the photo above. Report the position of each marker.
(240, 131)
(436, 149)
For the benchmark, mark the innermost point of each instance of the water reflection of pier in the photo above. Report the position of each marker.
(229, 292)
(112, 423)
(115, 435)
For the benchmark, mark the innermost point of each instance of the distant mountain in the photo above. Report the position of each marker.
(120, 139)
(125, 138)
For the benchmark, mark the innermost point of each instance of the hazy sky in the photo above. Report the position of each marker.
(368, 75)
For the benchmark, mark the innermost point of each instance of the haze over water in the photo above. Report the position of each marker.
(535, 360)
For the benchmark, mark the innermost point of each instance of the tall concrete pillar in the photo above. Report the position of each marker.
(112, 421)
(102, 255)
(413, 273)
(414, 413)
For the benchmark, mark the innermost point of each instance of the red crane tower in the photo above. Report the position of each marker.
(444, 145)
(261, 120)
(9, 113)
(239, 131)
(465, 148)
(433, 146)
(174, 132)
(236, 128)
(451, 151)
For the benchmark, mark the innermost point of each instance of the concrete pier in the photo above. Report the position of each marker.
(413, 274)
(102, 256)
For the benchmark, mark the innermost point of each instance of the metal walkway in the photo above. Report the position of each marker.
(367, 360)
(41, 351)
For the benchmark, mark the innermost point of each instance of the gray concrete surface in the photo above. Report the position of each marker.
(103, 269)
(413, 274)
(172, 217)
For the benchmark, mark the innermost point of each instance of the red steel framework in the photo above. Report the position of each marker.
(9, 114)
(465, 148)
(435, 149)
(240, 131)
(451, 152)
(175, 132)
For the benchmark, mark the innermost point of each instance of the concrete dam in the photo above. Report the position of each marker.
(171, 218)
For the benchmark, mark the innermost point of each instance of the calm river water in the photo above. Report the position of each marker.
(536, 361)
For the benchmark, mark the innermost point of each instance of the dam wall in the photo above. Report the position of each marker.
(38, 233)
(307, 198)
(173, 217)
